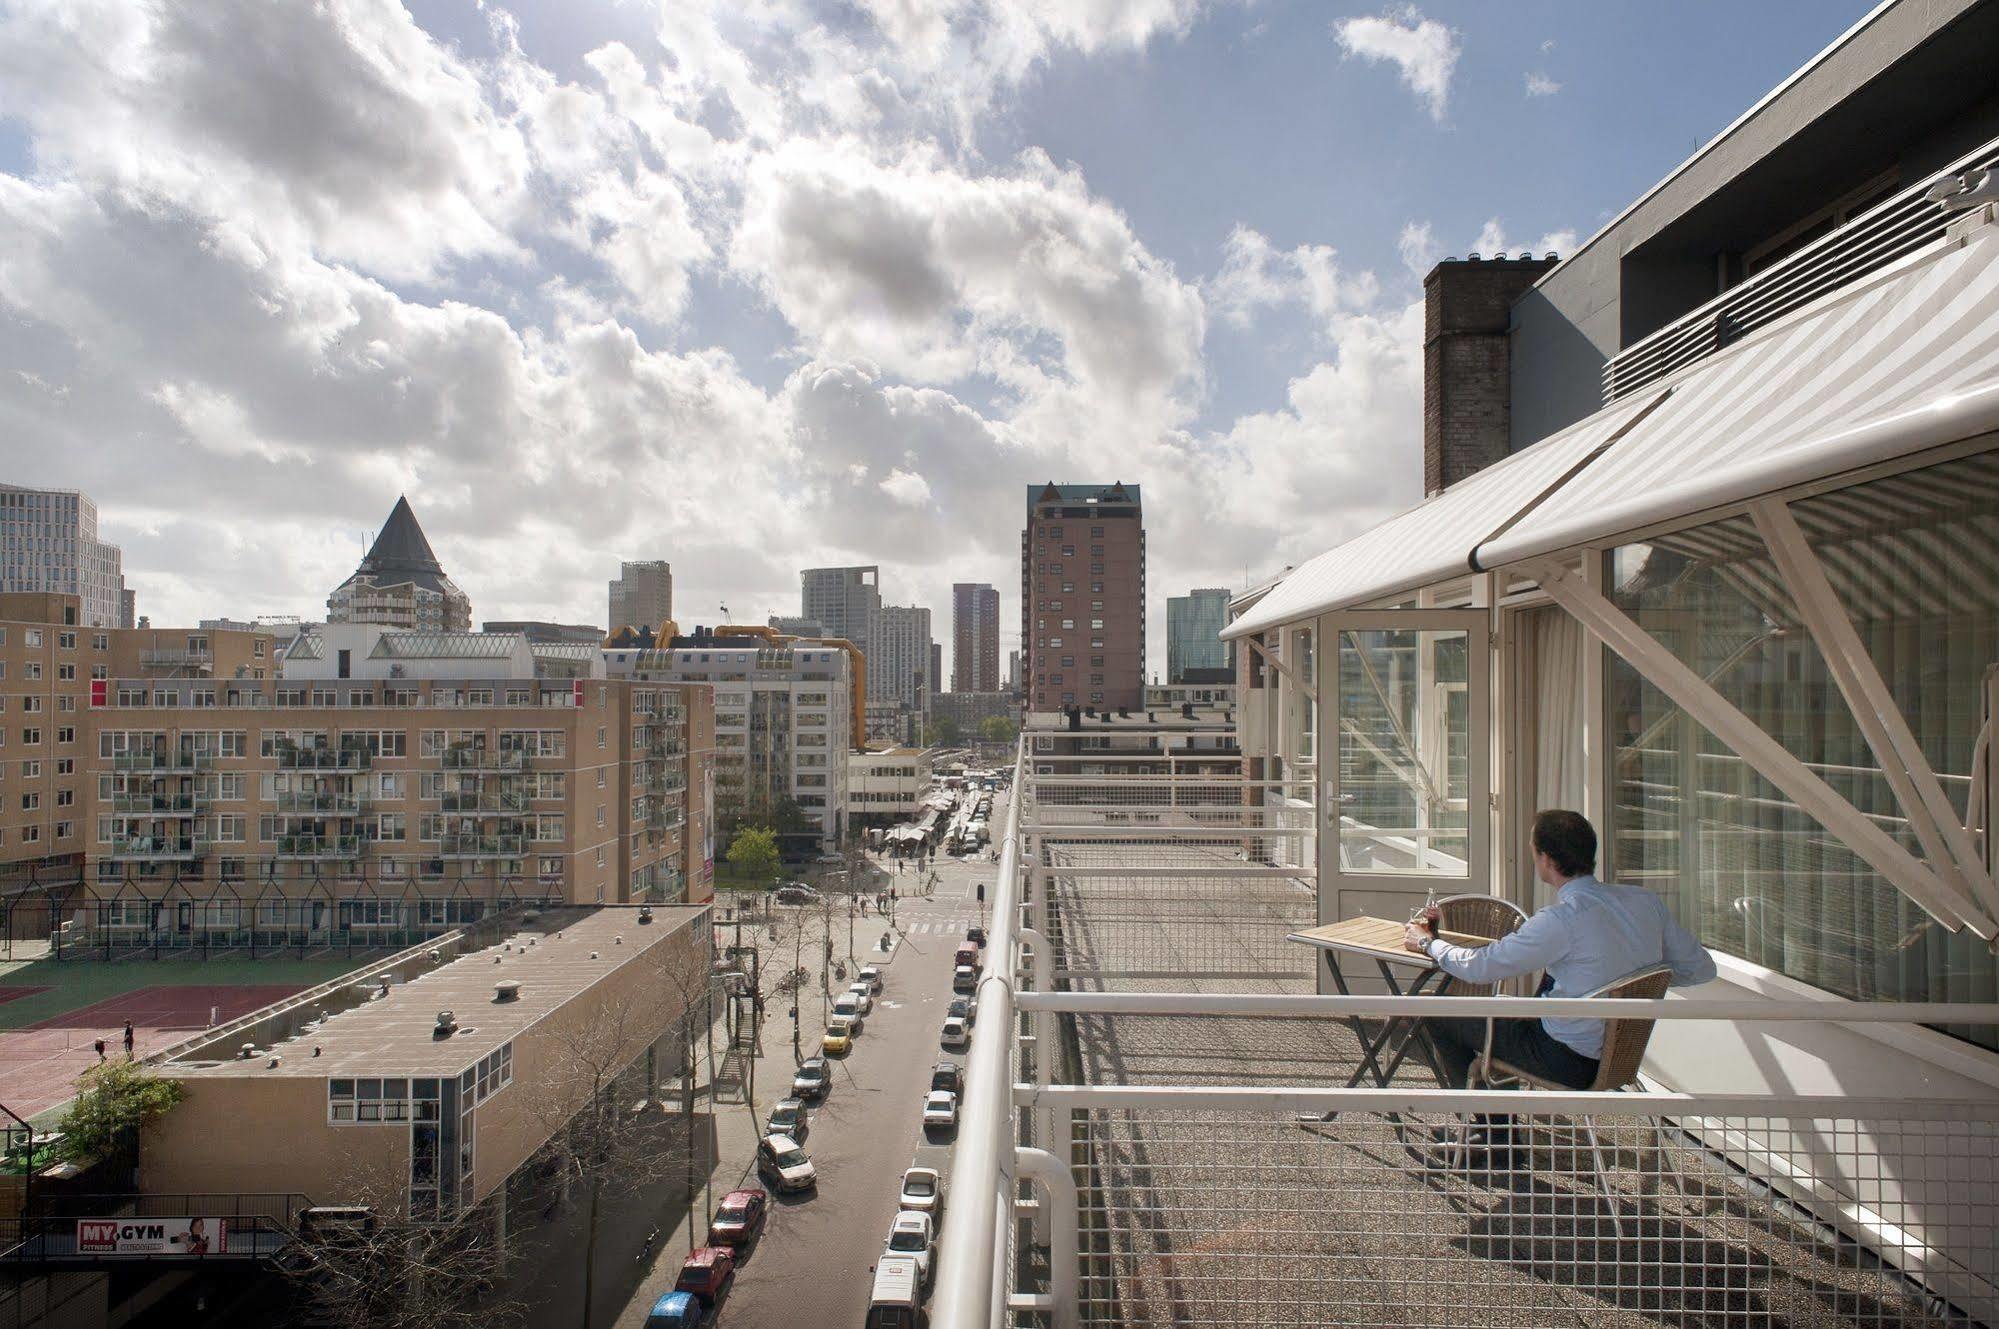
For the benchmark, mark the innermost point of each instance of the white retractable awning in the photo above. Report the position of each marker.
(1434, 540)
(1906, 361)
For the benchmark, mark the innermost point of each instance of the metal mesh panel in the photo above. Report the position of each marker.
(1209, 1218)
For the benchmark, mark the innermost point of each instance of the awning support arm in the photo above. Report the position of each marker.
(1946, 842)
(1945, 902)
(1291, 675)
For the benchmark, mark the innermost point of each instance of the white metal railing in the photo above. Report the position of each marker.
(1151, 1040)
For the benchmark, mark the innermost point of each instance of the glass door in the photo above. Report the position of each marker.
(1404, 759)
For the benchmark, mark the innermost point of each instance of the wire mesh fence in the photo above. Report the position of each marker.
(1231, 1218)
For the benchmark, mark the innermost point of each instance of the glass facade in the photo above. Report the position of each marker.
(1914, 558)
(1194, 623)
(1404, 742)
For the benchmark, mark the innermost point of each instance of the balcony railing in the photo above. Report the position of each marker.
(502, 803)
(485, 760)
(319, 846)
(325, 759)
(152, 848)
(159, 805)
(1152, 1059)
(177, 659)
(313, 802)
(1890, 231)
(163, 759)
(483, 846)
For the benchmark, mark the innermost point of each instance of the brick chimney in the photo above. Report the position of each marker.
(1467, 392)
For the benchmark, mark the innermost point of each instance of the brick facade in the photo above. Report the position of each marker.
(1467, 391)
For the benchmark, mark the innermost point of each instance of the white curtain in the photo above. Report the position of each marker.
(1559, 776)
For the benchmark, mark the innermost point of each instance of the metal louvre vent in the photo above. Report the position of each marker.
(1894, 229)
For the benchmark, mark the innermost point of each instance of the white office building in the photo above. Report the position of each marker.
(48, 543)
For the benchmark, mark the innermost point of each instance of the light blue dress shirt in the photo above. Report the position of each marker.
(1591, 935)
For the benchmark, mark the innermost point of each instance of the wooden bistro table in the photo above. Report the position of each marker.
(1380, 940)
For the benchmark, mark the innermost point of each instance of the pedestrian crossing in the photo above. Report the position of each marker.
(941, 926)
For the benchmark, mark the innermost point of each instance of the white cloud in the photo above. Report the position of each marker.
(1417, 246)
(906, 488)
(1493, 243)
(1540, 85)
(1255, 274)
(1422, 49)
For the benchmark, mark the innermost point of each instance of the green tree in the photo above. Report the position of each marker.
(753, 852)
(941, 732)
(999, 729)
(114, 1097)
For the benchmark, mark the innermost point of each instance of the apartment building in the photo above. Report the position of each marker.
(783, 721)
(401, 583)
(49, 661)
(1082, 596)
(641, 595)
(845, 603)
(900, 659)
(49, 544)
(886, 786)
(1194, 623)
(974, 638)
(422, 789)
(968, 710)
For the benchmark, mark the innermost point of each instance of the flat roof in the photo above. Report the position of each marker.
(392, 1035)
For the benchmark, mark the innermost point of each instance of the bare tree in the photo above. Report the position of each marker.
(378, 1270)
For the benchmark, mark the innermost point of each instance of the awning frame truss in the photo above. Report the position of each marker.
(1954, 886)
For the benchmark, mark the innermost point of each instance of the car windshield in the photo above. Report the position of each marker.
(909, 1239)
(919, 1186)
(790, 1157)
(810, 1072)
(733, 1213)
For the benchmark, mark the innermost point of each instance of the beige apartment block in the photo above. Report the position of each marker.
(369, 1103)
(234, 811)
(49, 662)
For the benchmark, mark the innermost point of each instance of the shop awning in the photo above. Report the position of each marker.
(1906, 361)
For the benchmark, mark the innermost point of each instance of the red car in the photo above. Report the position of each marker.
(739, 1218)
(707, 1274)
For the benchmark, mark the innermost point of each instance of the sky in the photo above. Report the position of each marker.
(755, 288)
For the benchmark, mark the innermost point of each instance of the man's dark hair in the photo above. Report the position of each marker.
(1567, 838)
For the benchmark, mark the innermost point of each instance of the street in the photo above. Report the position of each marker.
(816, 1258)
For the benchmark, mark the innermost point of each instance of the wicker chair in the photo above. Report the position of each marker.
(1478, 916)
(1624, 1043)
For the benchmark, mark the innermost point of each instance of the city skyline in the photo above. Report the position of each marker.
(592, 304)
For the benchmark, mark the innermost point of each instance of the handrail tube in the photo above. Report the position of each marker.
(1232, 871)
(1569, 1008)
(1283, 1099)
(964, 1293)
(1065, 1224)
(1186, 830)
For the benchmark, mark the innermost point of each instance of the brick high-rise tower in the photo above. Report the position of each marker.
(1082, 596)
(974, 638)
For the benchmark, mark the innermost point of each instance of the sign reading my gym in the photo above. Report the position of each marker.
(152, 1236)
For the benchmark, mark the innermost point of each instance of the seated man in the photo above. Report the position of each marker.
(1592, 934)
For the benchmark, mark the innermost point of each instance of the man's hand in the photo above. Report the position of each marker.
(1413, 937)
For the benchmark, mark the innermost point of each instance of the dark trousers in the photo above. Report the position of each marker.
(1522, 1043)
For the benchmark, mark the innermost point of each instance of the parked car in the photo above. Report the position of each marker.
(957, 1034)
(814, 1078)
(872, 975)
(897, 1299)
(864, 995)
(964, 978)
(965, 1008)
(922, 1191)
(915, 1236)
(787, 1117)
(977, 936)
(968, 954)
(948, 1075)
(797, 895)
(838, 1039)
(940, 1110)
(784, 1165)
(676, 1310)
(739, 1218)
(707, 1274)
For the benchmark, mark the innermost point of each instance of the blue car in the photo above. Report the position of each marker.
(675, 1310)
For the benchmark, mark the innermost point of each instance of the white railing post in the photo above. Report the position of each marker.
(1065, 1219)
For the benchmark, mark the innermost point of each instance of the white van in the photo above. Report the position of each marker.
(897, 1300)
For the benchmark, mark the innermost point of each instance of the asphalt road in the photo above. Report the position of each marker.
(815, 1263)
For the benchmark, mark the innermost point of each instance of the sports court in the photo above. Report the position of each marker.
(52, 1013)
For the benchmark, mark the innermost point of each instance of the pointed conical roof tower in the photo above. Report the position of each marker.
(400, 582)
